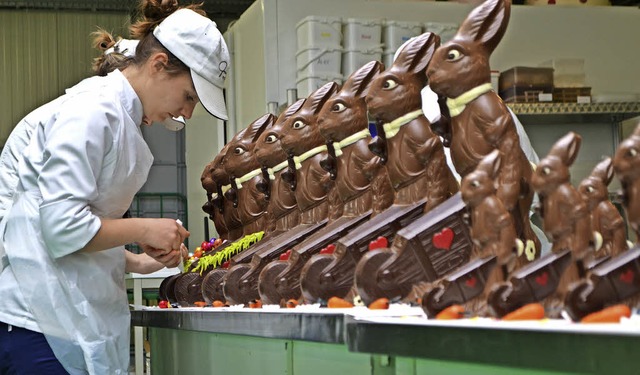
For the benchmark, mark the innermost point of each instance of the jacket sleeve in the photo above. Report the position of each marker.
(77, 146)
(9, 159)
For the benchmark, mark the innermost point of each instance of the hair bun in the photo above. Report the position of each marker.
(157, 10)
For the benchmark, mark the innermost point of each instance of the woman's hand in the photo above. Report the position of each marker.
(169, 259)
(165, 235)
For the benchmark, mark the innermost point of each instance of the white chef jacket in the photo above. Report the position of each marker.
(85, 161)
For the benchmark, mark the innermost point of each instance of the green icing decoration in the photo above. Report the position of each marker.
(215, 260)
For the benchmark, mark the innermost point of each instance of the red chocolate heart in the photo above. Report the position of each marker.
(542, 279)
(378, 243)
(444, 239)
(627, 276)
(329, 249)
(470, 282)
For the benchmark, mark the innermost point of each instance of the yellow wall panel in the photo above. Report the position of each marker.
(42, 53)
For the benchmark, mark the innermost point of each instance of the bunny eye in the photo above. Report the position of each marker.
(271, 138)
(590, 189)
(389, 84)
(338, 107)
(238, 150)
(454, 55)
(475, 183)
(633, 152)
(546, 170)
(299, 124)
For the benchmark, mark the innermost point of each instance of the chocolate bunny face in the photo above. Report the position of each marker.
(626, 161)
(553, 170)
(396, 91)
(481, 183)
(594, 188)
(218, 173)
(345, 113)
(463, 62)
(267, 149)
(300, 132)
(239, 159)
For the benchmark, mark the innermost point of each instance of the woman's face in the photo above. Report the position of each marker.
(168, 96)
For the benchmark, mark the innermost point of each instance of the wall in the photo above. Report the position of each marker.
(42, 53)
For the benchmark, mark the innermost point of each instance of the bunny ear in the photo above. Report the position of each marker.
(317, 99)
(491, 163)
(417, 53)
(487, 23)
(258, 126)
(566, 148)
(636, 131)
(358, 82)
(604, 171)
(293, 108)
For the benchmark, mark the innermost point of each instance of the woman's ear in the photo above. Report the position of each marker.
(158, 61)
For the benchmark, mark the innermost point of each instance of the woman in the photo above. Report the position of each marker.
(64, 233)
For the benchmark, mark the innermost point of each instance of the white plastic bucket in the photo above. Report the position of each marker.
(395, 33)
(446, 31)
(319, 61)
(314, 31)
(352, 60)
(362, 33)
(308, 84)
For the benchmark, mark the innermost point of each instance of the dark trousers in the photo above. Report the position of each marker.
(25, 352)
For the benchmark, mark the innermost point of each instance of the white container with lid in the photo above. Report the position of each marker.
(319, 60)
(362, 33)
(353, 60)
(314, 31)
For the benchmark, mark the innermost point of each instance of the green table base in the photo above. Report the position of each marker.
(194, 342)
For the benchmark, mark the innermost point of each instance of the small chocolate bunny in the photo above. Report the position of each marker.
(567, 223)
(495, 245)
(606, 221)
(615, 280)
(480, 121)
(626, 164)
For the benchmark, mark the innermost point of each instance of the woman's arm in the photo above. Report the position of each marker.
(144, 263)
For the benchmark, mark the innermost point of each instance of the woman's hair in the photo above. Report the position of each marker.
(107, 62)
(152, 13)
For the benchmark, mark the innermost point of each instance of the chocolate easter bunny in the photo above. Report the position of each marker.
(567, 223)
(361, 182)
(616, 280)
(416, 165)
(213, 206)
(280, 280)
(244, 173)
(494, 245)
(480, 121)
(250, 204)
(626, 164)
(606, 221)
(240, 284)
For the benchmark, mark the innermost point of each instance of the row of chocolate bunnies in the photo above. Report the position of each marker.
(313, 205)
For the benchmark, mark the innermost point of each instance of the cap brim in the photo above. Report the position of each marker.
(210, 95)
(174, 123)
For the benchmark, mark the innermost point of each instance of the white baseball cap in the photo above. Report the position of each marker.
(197, 42)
